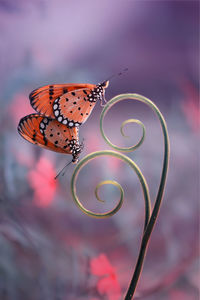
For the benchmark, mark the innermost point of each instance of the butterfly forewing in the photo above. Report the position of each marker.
(42, 99)
(47, 133)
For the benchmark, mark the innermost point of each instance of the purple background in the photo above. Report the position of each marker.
(46, 243)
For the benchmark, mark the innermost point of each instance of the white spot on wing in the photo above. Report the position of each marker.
(56, 113)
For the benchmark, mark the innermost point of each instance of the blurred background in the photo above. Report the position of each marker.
(48, 248)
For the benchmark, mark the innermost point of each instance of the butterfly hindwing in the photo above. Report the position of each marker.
(73, 108)
(48, 133)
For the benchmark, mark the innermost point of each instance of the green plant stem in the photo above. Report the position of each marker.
(150, 225)
(150, 219)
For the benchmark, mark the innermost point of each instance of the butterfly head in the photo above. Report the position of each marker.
(100, 90)
(104, 84)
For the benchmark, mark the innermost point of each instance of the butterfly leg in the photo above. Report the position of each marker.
(103, 102)
(82, 144)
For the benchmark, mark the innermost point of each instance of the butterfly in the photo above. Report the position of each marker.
(50, 134)
(69, 104)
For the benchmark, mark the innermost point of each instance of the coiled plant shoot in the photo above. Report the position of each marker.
(150, 214)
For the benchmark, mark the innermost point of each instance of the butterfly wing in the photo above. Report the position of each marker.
(48, 133)
(74, 108)
(42, 98)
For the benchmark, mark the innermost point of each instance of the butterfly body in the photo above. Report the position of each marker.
(50, 134)
(69, 104)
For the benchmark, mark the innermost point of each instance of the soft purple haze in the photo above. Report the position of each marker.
(47, 244)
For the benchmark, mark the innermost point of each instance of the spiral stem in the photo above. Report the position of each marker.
(150, 225)
(133, 165)
(150, 218)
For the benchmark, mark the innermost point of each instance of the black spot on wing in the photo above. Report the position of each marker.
(34, 137)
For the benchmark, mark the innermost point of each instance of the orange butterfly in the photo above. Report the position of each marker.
(50, 134)
(70, 104)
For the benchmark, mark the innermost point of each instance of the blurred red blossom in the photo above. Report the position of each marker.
(41, 179)
(108, 285)
(179, 294)
(190, 106)
(20, 107)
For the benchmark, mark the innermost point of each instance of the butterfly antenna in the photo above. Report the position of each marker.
(118, 74)
(62, 170)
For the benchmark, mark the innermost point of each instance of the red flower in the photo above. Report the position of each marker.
(42, 181)
(179, 294)
(108, 285)
(190, 106)
(19, 107)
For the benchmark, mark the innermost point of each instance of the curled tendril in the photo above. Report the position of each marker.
(150, 217)
(133, 121)
(122, 149)
(112, 182)
(124, 158)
